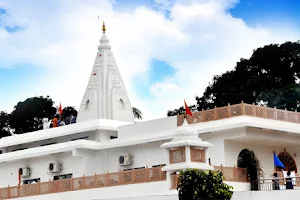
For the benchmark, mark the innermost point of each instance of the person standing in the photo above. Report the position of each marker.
(55, 121)
(288, 180)
(67, 120)
(275, 181)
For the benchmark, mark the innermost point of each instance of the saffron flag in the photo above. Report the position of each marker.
(19, 177)
(187, 109)
(60, 109)
(277, 162)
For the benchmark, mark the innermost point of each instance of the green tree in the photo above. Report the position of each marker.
(194, 184)
(4, 124)
(28, 115)
(181, 110)
(269, 77)
(137, 113)
(68, 111)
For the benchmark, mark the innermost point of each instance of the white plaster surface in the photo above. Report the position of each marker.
(158, 191)
(105, 96)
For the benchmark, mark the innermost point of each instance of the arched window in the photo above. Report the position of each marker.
(240, 161)
(288, 161)
(87, 105)
(121, 104)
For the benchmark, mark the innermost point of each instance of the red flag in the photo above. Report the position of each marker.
(60, 109)
(187, 109)
(19, 177)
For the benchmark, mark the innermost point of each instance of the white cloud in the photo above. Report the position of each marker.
(201, 39)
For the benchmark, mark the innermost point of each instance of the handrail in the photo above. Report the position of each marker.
(241, 109)
(278, 183)
(233, 174)
(271, 179)
(85, 182)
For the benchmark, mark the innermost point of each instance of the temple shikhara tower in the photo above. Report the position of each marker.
(105, 96)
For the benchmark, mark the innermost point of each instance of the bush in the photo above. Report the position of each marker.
(194, 184)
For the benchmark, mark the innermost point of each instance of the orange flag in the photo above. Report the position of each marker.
(19, 177)
(187, 109)
(60, 109)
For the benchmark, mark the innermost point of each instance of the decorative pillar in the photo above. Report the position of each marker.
(186, 151)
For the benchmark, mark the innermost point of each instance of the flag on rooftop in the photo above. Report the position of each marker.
(187, 110)
(277, 162)
(60, 109)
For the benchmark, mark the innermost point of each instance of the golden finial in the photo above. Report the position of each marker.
(103, 27)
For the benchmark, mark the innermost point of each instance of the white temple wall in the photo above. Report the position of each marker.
(217, 152)
(152, 128)
(68, 138)
(263, 152)
(109, 193)
(39, 168)
(86, 162)
(144, 155)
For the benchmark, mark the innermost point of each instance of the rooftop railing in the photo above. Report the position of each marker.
(278, 184)
(86, 182)
(234, 174)
(239, 110)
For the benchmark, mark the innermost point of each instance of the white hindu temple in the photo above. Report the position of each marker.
(107, 156)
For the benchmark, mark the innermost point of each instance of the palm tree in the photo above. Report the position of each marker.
(137, 113)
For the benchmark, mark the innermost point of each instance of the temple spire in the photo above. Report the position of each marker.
(103, 27)
(105, 96)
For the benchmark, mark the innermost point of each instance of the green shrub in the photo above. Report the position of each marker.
(194, 184)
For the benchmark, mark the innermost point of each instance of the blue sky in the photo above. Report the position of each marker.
(39, 48)
(263, 12)
(268, 12)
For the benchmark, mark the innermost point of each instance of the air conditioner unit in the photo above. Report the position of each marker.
(125, 159)
(24, 171)
(54, 167)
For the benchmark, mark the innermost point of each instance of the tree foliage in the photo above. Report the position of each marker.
(194, 184)
(269, 77)
(181, 110)
(68, 111)
(4, 124)
(28, 115)
(253, 167)
(137, 113)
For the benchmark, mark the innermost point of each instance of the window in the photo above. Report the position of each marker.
(113, 137)
(288, 161)
(60, 177)
(87, 105)
(31, 181)
(121, 104)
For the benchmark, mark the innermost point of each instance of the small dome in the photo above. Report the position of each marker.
(185, 131)
(104, 43)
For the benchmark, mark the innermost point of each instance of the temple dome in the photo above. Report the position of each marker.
(104, 43)
(185, 132)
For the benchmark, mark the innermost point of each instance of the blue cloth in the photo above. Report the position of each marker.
(277, 162)
(73, 121)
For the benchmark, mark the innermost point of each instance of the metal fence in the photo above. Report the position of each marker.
(279, 183)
